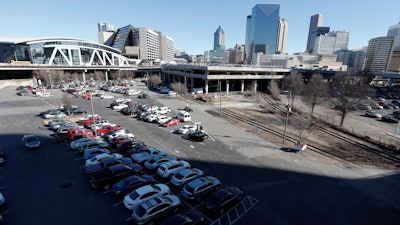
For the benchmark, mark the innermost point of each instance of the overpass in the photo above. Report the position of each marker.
(390, 76)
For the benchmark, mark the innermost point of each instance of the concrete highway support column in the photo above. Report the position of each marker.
(206, 86)
(227, 87)
(84, 76)
(255, 86)
(242, 87)
(106, 74)
(191, 83)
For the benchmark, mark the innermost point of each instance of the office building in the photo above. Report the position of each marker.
(378, 54)
(331, 42)
(238, 54)
(315, 22)
(219, 39)
(394, 64)
(282, 36)
(394, 32)
(316, 33)
(166, 48)
(262, 29)
(148, 42)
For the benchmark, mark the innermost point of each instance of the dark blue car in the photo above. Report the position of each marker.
(131, 183)
(89, 153)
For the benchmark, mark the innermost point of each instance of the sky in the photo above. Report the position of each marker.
(192, 23)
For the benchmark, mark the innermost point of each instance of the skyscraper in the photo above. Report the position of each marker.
(104, 32)
(394, 32)
(315, 22)
(262, 29)
(331, 42)
(378, 54)
(219, 39)
(282, 36)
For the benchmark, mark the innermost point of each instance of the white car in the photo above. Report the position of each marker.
(162, 119)
(106, 96)
(187, 129)
(142, 194)
(120, 106)
(75, 144)
(151, 118)
(133, 92)
(172, 93)
(373, 114)
(162, 110)
(55, 115)
(97, 158)
(150, 108)
(376, 106)
(120, 133)
(172, 167)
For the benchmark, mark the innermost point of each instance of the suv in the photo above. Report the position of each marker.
(168, 169)
(155, 208)
(200, 187)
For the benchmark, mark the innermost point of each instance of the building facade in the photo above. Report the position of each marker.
(378, 54)
(331, 42)
(394, 32)
(166, 48)
(219, 39)
(104, 32)
(282, 36)
(315, 22)
(262, 29)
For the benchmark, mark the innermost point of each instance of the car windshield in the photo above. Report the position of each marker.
(31, 139)
(133, 195)
(179, 176)
(120, 184)
(140, 211)
(189, 189)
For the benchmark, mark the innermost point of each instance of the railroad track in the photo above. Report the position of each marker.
(360, 152)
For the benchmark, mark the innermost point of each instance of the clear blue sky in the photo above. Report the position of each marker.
(192, 23)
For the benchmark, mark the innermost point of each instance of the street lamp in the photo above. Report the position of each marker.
(91, 104)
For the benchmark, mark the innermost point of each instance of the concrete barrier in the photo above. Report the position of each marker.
(17, 82)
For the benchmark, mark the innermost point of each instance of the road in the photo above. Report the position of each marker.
(47, 186)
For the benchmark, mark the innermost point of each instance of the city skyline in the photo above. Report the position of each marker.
(192, 24)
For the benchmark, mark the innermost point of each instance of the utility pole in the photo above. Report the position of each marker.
(91, 104)
(220, 98)
(287, 116)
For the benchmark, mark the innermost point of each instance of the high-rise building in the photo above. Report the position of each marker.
(219, 39)
(394, 64)
(166, 48)
(148, 42)
(394, 32)
(331, 42)
(282, 36)
(262, 29)
(104, 32)
(315, 22)
(316, 33)
(378, 54)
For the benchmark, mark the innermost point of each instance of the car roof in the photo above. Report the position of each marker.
(29, 135)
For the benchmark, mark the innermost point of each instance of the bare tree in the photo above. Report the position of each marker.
(42, 75)
(302, 128)
(179, 87)
(99, 76)
(294, 84)
(347, 92)
(274, 90)
(315, 91)
(67, 101)
(154, 80)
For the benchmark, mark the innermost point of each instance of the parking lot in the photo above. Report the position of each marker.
(46, 186)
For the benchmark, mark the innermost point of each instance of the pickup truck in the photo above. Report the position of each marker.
(96, 123)
(107, 129)
(66, 135)
(107, 162)
(111, 175)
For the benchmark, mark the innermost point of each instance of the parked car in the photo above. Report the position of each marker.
(154, 208)
(106, 178)
(146, 154)
(131, 183)
(373, 114)
(185, 176)
(2, 200)
(142, 194)
(2, 157)
(96, 159)
(172, 167)
(389, 119)
(163, 119)
(200, 187)
(197, 135)
(172, 122)
(155, 161)
(162, 110)
(387, 106)
(376, 106)
(223, 199)
(191, 217)
(89, 153)
(151, 118)
(31, 141)
(188, 128)
(54, 115)
(394, 106)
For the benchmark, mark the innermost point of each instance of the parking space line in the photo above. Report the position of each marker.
(118, 203)
(108, 191)
(130, 218)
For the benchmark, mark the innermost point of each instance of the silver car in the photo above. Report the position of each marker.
(155, 208)
(185, 176)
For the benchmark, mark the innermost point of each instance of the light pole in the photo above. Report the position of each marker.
(287, 117)
(220, 98)
(91, 104)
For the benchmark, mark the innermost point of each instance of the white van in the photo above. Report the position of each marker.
(184, 116)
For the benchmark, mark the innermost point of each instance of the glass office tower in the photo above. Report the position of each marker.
(261, 35)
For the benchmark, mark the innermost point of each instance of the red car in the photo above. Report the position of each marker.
(105, 129)
(172, 122)
(89, 119)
